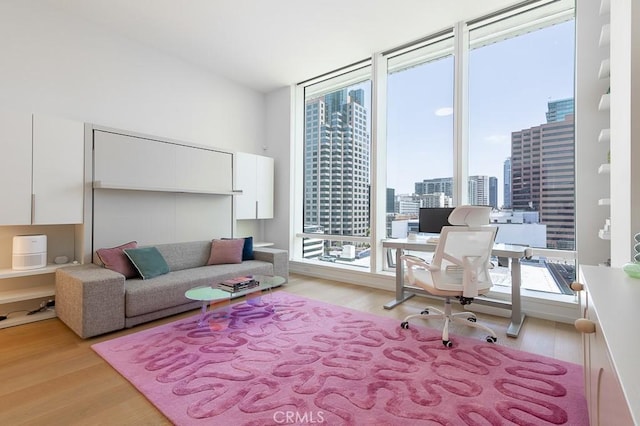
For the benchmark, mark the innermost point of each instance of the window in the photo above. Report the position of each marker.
(480, 113)
(419, 132)
(337, 167)
(521, 133)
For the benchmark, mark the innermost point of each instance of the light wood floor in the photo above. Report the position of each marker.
(48, 375)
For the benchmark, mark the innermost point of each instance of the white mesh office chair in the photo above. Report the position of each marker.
(460, 268)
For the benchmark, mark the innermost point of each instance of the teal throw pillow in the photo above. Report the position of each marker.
(148, 261)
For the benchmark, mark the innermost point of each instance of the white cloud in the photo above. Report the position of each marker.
(444, 111)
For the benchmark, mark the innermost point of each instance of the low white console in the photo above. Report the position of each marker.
(610, 306)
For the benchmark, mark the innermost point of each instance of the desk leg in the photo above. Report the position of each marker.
(517, 317)
(400, 295)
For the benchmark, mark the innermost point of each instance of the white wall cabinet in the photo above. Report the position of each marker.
(41, 170)
(131, 162)
(253, 175)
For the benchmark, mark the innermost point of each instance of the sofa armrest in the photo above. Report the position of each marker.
(279, 258)
(90, 299)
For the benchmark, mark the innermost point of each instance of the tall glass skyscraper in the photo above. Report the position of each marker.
(557, 110)
(337, 163)
(506, 170)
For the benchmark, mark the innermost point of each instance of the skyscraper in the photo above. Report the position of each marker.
(507, 183)
(337, 163)
(479, 188)
(543, 177)
(557, 110)
(493, 192)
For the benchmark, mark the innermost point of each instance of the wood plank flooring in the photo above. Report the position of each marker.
(48, 375)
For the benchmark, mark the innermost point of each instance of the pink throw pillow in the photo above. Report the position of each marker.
(114, 258)
(226, 251)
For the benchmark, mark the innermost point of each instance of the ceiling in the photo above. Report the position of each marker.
(268, 44)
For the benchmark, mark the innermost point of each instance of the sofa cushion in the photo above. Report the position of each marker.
(226, 251)
(148, 261)
(114, 258)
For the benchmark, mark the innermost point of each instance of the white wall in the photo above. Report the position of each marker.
(58, 65)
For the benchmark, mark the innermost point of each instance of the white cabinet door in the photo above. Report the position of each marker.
(123, 160)
(254, 177)
(15, 168)
(203, 170)
(264, 185)
(58, 171)
(245, 180)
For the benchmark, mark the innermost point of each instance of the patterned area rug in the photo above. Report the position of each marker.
(284, 359)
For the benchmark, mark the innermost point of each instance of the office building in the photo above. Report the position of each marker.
(479, 190)
(493, 192)
(391, 200)
(507, 183)
(542, 170)
(432, 186)
(557, 110)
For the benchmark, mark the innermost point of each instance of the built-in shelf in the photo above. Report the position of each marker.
(605, 69)
(604, 169)
(108, 185)
(18, 295)
(24, 318)
(604, 202)
(604, 102)
(14, 273)
(605, 34)
(605, 235)
(604, 136)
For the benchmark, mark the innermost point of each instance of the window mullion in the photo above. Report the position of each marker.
(461, 115)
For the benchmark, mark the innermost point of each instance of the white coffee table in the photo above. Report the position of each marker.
(210, 293)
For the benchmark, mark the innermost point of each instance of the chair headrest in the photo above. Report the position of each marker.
(470, 215)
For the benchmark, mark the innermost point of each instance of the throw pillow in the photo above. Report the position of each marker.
(226, 251)
(148, 261)
(247, 249)
(114, 258)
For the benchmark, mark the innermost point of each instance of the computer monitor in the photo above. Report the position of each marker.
(432, 219)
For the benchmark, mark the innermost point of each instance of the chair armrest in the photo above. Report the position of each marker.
(279, 258)
(90, 299)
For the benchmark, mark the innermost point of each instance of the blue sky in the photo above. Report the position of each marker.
(510, 83)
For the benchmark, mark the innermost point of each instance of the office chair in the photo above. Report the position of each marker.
(460, 268)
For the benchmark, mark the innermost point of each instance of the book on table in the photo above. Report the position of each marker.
(238, 284)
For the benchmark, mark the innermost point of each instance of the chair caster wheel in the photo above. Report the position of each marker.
(425, 312)
(491, 339)
(472, 319)
(447, 343)
(404, 324)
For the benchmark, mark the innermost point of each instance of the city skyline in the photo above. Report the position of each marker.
(502, 100)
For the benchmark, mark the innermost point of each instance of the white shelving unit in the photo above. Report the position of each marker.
(604, 137)
(25, 293)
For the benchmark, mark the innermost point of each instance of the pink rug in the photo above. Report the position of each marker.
(314, 363)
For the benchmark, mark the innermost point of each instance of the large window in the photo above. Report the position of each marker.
(419, 132)
(481, 113)
(521, 136)
(337, 168)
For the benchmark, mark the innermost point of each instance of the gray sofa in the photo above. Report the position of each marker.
(93, 300)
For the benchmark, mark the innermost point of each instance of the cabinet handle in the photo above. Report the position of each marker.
(33, 208)
(576, 286)
(584, 325)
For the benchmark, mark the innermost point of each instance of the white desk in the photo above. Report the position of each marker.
(510, 251)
